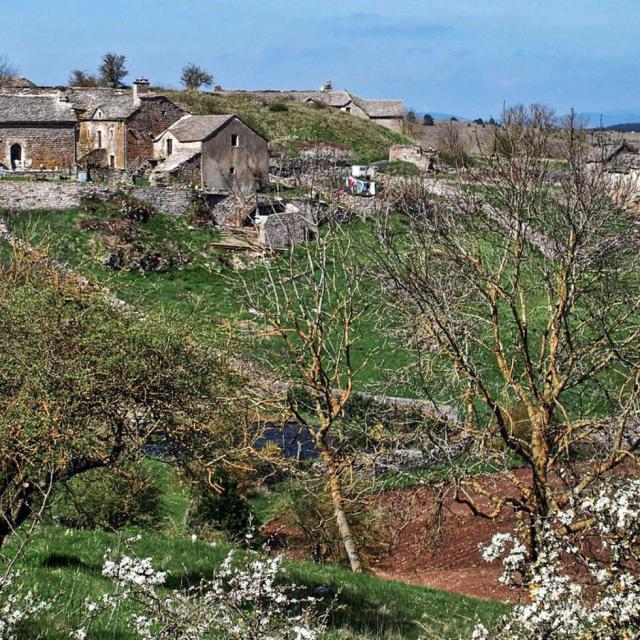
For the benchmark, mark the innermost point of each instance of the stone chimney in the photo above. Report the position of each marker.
(62, 95)
(140, 87)
(327, 86)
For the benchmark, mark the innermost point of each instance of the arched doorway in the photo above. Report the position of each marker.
(16, 155)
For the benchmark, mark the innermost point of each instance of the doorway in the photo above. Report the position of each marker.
(15, 153)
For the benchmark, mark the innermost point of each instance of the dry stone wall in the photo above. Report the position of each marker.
(28, 196)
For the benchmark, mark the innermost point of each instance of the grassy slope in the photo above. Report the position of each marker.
(300, 124)
(204, 292)
(61, 561)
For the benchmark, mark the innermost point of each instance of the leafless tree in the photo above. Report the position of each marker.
(79, 78)
(7, 70)
(521, 290)
(313, 309)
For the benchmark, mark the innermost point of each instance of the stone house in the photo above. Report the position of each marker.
(37, 131)
(117, 127)
(216, 153)
(55, 128)
(387, 113)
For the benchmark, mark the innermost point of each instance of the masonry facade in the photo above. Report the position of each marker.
(36, 132)
(55, 128)
(217, 153)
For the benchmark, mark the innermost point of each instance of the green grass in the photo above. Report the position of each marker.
(300, 124)
(66, 564)
(205, 292)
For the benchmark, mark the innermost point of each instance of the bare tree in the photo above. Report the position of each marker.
(193, 77)
(113, 70)
(313, 308)
(7, 70)
(521, 291)
(79, 78)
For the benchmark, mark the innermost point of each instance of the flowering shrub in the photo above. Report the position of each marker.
(577, 590)
(243, 601)
(17, 606)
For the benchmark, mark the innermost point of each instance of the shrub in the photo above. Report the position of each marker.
(111, 499)
(219, 506)
(310, 509)
(133, 209)
(278, 107)
(400, 168)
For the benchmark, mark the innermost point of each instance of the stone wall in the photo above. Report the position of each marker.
(26, 196)
(155, 115)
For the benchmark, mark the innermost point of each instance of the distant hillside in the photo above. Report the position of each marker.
(631, 127)
(610, 118)
(294, 124)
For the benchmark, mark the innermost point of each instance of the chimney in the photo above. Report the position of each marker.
(140, 86)
(62, 95)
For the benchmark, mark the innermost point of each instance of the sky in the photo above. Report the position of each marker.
(467, 57)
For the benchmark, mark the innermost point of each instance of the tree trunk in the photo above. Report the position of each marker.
(337, 497)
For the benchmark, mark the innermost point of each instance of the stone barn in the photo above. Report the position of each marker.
(37, 131)
(217, 153)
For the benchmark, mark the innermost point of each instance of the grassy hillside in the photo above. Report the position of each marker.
(66, 561)
(297, 124)
(204, 291)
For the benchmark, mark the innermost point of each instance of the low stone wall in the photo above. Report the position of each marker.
(27, 196)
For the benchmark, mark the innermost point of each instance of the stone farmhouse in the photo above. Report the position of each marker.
(217, 153)
(56, 128)
(388, 113)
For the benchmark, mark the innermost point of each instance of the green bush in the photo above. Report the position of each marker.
(400, 168)
(278, 107)
(111, 499)
(219, 506)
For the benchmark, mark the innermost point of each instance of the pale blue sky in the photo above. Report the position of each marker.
(461, 56)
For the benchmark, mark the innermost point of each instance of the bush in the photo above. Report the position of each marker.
(219, 506)
(309, 508)
(111, 499)
(400, 168)
(133, 209)
(278, 107)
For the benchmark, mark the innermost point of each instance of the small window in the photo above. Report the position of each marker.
(111, 135)
(235, 140)
(112, 162)
(99, 139)
(232, 171)
(169, 146)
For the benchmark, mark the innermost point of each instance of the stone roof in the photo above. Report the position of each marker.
(330, 98)
(18, 82)
(176, 160)
(198, 128)
(35, 108)
(115, 104)
(381, 108)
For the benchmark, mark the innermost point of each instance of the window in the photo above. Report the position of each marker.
(235, 140)
(232, 171)
(112, 162)
(169, 146)
(111, 135)
(99, 139)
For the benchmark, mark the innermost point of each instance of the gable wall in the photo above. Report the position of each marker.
(113, 139)
(250, 160)
(148, 122)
